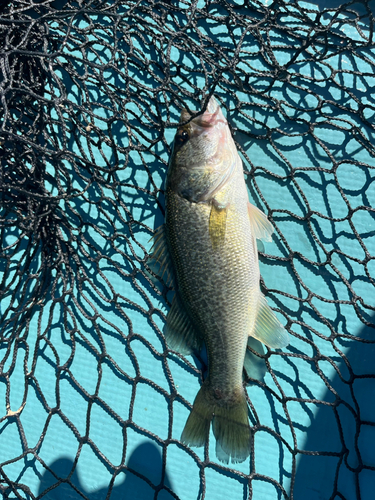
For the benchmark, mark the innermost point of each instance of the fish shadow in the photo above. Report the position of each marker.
(140, 479)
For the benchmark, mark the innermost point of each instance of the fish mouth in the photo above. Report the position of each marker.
(211, 117)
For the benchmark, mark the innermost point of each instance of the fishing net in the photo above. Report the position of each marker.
(92, 401)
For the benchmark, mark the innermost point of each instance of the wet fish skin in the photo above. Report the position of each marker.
(209, 246)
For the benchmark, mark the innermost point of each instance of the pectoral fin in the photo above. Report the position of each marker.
(254, 365)
(217, 225)
(179, 332)
(268, 328)
(260, 225)
(160, 261)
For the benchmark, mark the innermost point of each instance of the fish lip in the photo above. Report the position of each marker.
(211, 117)
(208, 120)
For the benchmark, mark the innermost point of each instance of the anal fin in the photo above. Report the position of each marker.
(255, 366)
(179, 331)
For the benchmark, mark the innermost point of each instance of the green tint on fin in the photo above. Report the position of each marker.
(179, 332)
(197, 427)
(268, 328)
(254, 365)
(217, 225)
(232, 431)
(260, 246)
(260, 225)
(160, 262)
(230, 425)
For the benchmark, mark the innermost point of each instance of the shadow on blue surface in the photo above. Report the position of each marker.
(138, 482)
(347, 465)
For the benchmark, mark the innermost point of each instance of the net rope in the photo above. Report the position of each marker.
(91, 93)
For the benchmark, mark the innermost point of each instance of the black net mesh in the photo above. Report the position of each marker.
(91, 93)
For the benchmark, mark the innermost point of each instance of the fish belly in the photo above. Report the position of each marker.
(218, 287)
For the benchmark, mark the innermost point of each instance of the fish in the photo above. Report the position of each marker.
(206, 250)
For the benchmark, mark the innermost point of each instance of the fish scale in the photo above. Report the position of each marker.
(208, 245)
(224, 279)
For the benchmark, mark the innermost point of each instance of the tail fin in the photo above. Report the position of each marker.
(230, 425)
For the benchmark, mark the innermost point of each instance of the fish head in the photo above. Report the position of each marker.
(203, 153)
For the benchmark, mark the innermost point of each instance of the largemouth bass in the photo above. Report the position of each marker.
(207, 250)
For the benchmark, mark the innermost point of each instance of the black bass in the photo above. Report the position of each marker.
(207, 250)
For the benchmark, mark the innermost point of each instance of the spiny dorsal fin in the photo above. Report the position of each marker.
(217, 225)
(268, 328)
(160, 261)
(261, 226)
(179, 332)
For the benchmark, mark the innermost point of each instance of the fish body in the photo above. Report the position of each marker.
(208, 249)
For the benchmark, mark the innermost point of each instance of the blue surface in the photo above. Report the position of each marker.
(133, 369)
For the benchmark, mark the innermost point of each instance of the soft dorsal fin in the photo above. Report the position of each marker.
(255, 366)
(268, 328)
(160, 261)
(261, 226)
(179, 331)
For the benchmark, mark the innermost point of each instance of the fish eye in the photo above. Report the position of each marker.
(182, 138)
